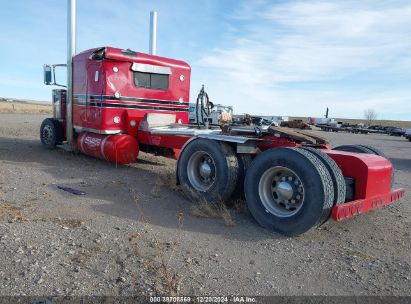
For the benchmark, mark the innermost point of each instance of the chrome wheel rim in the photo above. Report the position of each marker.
(201, 171)
(281, 191)
(48, 135)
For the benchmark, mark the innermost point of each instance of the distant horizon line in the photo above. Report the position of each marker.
(44, 102)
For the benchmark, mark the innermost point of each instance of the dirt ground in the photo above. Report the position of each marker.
(133, 231)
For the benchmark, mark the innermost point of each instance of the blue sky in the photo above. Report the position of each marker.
(262, 57)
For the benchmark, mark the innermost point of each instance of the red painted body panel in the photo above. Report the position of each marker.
(166, 141)
(84, 84)
(372, 173)
(173, 142)
(357, 207)
(95, 105)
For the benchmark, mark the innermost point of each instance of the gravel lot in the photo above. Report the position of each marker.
(134, 231)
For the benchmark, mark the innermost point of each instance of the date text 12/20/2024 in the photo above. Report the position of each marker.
(203, 299)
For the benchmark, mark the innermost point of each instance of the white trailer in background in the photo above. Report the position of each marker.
(219, 114)
(322, 121)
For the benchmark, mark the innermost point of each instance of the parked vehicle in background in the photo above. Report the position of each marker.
(407, 134)
(377, 129)
(394, 131)
(247, 119)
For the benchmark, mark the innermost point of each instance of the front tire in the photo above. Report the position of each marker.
(50, 133)
(289, 190)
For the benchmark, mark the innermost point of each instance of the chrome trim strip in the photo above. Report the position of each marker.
(82, 129)
(167, 130)
(226, 138)
(128, 98)
(149, 68)
(147, 108)
(133, 107)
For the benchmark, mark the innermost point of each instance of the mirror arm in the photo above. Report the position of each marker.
(54, 74)
(60, 85)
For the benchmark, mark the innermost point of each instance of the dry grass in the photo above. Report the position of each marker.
(356, 254)
(240, 206)
(22, 107)
(213, 210)
(72, 223)
(87, 254)
(155, 190)
(162, 260)
(10, 213)
(169, 180)
(166, 179)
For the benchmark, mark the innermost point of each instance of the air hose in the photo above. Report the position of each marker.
(203, 108)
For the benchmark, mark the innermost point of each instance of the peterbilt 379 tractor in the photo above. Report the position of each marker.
(119, 102)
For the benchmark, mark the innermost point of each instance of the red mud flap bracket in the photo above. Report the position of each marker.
(351, 209)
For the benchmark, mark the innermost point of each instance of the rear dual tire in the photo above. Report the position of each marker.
(289, 190)
(337, 177)
(354, 149)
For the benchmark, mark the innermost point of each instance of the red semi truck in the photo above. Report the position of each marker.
(119, 102)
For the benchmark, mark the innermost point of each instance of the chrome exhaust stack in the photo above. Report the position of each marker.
(153, 33)
(71, 52)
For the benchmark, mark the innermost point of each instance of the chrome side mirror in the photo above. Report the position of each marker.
(49, 71)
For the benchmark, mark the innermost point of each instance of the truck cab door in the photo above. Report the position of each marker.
(94, 95)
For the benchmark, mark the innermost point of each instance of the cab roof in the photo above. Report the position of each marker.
(111, 53)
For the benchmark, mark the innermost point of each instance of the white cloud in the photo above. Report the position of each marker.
(280, 49)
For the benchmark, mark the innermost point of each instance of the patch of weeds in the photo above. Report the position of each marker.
(212, 210)
(240, 206)
(356, 254)
(11, 213)
(155, 191)
(31, 199)
(86, 254)
(169, 180)
(72, 223)
(160, 259)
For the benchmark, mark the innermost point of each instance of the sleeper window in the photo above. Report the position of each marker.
(151, 80)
